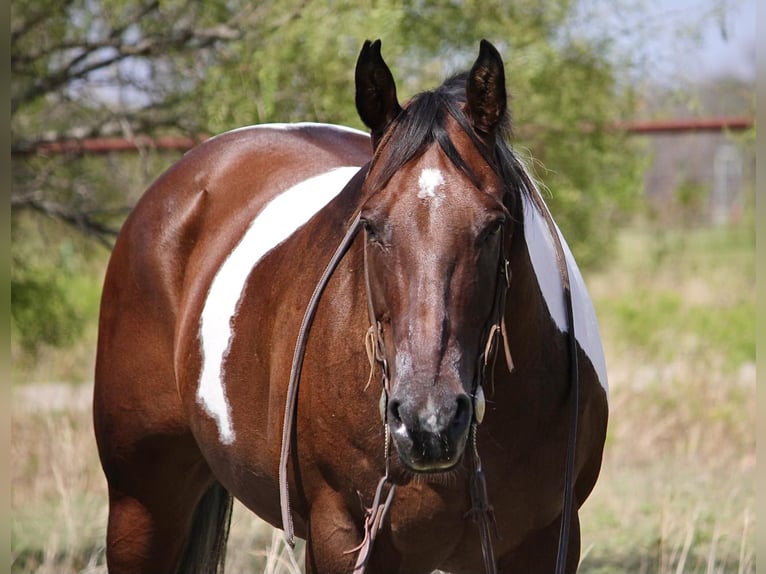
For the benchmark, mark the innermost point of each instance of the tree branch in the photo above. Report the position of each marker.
(147, 47)
(83, 221)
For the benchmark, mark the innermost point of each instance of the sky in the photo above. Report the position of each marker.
(724, 44)
(675, 43)
(678, 41)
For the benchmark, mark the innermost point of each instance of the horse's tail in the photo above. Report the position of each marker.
(205, 550)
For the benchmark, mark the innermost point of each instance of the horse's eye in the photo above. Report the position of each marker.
(492, 229)
(369, 228)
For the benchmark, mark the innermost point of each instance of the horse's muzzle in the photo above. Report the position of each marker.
(431, 438)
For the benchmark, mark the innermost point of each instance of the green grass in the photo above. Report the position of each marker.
(673, 295)
(662, 324)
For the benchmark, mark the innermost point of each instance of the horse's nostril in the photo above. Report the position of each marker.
(393, 410)
(462, 411)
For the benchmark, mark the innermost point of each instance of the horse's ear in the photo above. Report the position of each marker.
(485, 90)
(375, 91)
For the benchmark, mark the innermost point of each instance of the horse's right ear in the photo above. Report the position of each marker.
(375, 91)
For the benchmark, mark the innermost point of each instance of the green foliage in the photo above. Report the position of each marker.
(691, 198)
(690, 293)
(663, 326)
(54, 290)
(43, 311)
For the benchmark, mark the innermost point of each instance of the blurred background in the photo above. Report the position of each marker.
(637, 116)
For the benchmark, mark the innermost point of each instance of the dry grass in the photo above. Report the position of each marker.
(677, 490)
(58, 495)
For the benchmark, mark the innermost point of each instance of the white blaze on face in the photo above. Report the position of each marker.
(430, 186)
(281, 217)
(430, 422)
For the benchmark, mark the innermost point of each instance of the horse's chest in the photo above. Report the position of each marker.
(418, 512)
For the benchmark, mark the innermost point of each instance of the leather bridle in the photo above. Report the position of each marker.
(481, 510)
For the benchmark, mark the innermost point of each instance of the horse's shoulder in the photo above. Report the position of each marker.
(194, 214)
(542, 251)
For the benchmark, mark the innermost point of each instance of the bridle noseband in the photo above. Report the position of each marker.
(481, 510)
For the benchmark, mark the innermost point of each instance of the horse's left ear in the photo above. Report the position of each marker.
(485, 90)
(375, 91)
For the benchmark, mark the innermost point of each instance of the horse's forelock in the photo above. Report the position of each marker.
(423, 121)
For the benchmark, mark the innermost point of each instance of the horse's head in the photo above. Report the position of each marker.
(438, 219)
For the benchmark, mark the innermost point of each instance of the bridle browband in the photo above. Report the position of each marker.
(481, 510)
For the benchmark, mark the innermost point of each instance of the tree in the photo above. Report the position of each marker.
(87, 68)
(566, 94)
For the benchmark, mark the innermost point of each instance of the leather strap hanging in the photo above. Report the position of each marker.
(481, 509)
(291, 398)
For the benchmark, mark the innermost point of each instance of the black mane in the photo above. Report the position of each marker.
(423, 122)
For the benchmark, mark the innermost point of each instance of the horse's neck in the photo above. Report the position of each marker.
(538, 347)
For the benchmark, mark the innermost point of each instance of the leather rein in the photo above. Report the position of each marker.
(481, 510)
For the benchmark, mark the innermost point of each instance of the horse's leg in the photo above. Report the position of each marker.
(153, 494)
(334, 538)
(331, 534)
(154, 469)
(537, 553)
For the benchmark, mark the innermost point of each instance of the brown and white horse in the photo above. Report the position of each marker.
(205, 295)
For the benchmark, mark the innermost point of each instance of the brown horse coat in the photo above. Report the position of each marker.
(202, 302)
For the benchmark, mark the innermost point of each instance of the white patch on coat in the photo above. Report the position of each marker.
(276, 222)
(430, 185)
(293, 126)
(403, 363)
(542, 251)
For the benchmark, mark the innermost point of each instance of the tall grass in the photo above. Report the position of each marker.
(58, 493)
(59, 499)
(677, 488)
